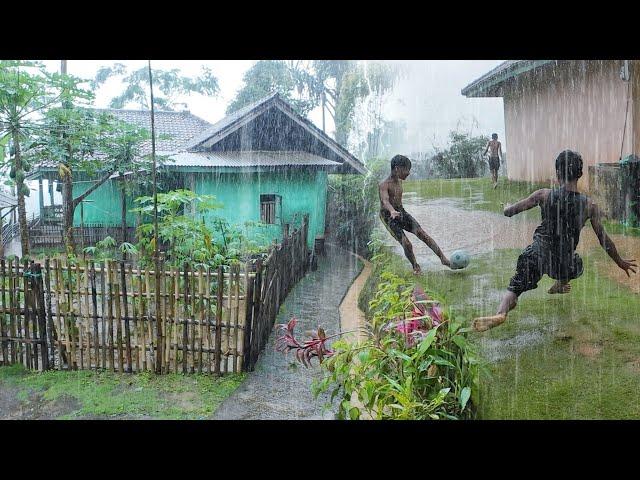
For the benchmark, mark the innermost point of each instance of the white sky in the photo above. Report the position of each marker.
(427, 96)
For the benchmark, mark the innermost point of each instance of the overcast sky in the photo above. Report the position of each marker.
(427, 96)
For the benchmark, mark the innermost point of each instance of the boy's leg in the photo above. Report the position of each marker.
(422, 235)
(508, 303)
(408, 252)
(528, 274)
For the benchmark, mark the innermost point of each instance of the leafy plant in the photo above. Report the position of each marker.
(425, 372)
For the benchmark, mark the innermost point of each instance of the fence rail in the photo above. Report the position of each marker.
(114, 316)
(46, 235)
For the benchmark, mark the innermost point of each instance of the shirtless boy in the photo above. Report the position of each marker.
(564, 213)
(494, 158)
(396, 219)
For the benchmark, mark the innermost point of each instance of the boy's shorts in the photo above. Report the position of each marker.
(533, 264)
(494, 163)
(396, 225)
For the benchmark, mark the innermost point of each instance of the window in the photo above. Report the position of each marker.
(270, 208)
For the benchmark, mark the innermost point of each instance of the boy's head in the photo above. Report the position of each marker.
(401, 166)
(568, 166)
(494, 136)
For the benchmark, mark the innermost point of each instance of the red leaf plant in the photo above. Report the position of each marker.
(305, 351)
(425, 315)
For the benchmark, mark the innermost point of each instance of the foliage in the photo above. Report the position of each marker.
(429, 373)
(184, 237)
(26, 90)
(351, 207)
(270, 76)
(168, 83)
(463, 158)
(106, 249)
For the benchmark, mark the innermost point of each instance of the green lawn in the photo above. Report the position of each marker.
(89, 394)
(574, 356)
(476, 193)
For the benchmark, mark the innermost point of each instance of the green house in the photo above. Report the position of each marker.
(266, 164)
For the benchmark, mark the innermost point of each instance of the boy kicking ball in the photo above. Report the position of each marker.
(396, 219)
(564, 213)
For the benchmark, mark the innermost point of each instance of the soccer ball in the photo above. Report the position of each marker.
(459, 259)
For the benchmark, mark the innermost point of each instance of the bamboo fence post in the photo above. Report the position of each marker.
(149, 331)
(136, 340)
(110, 316)
(27, 314)
(202, 316)
(141, 316)
(127, 330)
(3, 333)
(236, 320)
(103, 314)
(94, 306)
(50, 326)
(219, 320)
(80, 318)
(193, 329)
(185, 320)
(175, 315)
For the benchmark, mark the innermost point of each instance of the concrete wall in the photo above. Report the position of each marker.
(580, 105)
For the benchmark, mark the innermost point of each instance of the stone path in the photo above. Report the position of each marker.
(280, 388)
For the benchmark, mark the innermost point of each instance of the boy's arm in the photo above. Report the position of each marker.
(486, 150)
(533, 200)
(384, 200)
(606, 242)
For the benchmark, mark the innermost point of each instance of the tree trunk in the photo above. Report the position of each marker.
(22, 211)
(68, 207)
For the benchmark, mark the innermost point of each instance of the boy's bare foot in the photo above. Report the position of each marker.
(417, 270)
(445, 261)
(481, 324)
(560, 287)
(495, 186)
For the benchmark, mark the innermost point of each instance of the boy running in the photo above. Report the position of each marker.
(564, 213)
(396, 219)
(494, 158)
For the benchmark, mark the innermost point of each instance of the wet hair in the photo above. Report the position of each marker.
(400, 161)
(494, 135)
(568, 166)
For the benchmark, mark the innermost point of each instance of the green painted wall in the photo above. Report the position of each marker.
(302, 191)
(103, 205)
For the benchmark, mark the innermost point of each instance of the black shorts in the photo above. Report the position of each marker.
(534, 263)
(494, 163)
(396, 225)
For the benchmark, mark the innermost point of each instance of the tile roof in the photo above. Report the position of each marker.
(173, 129)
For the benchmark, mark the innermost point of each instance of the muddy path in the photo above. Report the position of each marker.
(280, 388)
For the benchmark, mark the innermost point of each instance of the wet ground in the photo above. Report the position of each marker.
(280, 388)
(453, 225)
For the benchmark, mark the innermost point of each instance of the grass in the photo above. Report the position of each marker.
(476, 193)
(89, 394)
(574, 356)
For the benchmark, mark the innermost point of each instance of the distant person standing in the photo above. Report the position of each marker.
(494, 158)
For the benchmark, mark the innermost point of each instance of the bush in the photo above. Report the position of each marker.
(427, 371)
(352, 206)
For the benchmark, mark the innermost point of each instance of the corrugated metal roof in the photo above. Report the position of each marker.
(248, 159)
(487, 85)
(226, 121)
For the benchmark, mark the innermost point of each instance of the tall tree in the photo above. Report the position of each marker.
(95, 143)
(26, 91)
(271, 76)
(170, 83)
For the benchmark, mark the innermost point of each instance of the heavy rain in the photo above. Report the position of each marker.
(320, 239)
